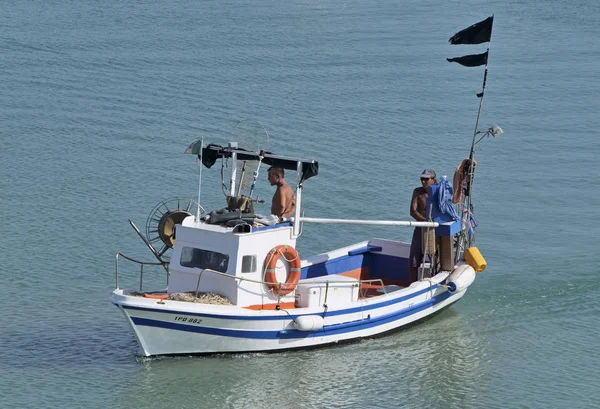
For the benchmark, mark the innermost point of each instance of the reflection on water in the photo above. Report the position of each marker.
(432, 364)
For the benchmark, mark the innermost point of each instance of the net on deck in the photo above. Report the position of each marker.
(202, 298)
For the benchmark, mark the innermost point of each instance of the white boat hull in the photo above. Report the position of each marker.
(173, 327)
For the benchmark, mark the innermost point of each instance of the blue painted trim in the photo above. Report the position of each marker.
(325, 331)
(384, 319)
(293, 316)
(275, 226)
(337, 265)
(448, 228)
(204, 330)
(366, 249)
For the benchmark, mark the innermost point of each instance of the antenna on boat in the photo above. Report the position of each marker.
(261, 156)
(242, 176)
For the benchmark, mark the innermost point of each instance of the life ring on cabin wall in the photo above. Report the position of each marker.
(291, 256)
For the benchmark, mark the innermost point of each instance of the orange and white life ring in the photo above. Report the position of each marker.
(291, 256)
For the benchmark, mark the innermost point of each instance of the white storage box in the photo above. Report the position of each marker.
(341, 292)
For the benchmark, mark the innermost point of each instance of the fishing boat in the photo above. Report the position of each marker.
(236, 283)
(249, 290)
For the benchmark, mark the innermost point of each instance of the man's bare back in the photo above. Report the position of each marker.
(284, 200)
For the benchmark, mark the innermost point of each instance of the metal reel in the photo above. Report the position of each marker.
(161, 222)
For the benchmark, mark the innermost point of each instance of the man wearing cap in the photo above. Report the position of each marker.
(418, 211)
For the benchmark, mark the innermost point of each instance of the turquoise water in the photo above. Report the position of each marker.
(100, 98)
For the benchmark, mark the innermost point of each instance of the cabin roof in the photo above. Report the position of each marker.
(212, 152)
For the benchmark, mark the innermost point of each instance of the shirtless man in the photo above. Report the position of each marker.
(284, 201)
(418, 211)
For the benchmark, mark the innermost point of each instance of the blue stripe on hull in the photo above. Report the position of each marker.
(365, 323)
(327, 330)
(293, 316)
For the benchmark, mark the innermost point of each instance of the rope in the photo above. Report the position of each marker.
(292, 318)
(427, 237)
(286, 259)
(272, 254)
(270, 258)
(428, 279)
(429, 234)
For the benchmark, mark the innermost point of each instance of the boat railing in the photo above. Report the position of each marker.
(140, 263)
(279, 285)
(401, 223)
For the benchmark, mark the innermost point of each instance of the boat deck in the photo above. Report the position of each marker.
(367, 290)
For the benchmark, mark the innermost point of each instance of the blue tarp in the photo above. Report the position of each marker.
(444, 196)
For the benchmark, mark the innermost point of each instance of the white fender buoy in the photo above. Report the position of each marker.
(309, 322)
(460, 278)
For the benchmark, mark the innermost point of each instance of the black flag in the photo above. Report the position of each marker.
(476, 34)
(474, 60)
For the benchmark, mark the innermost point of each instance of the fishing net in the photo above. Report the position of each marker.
(202, 298)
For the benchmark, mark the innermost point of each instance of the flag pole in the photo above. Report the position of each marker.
(481, 95)
(471, 165)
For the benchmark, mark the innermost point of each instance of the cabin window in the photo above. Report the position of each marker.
(199, 258)
(249, 264)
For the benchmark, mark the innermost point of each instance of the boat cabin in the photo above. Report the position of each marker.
(226, 252)
(203, 250)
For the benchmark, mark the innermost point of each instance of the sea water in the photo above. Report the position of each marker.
(99, 99)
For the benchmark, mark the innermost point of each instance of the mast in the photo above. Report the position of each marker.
(469, 198)
(476, 34)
